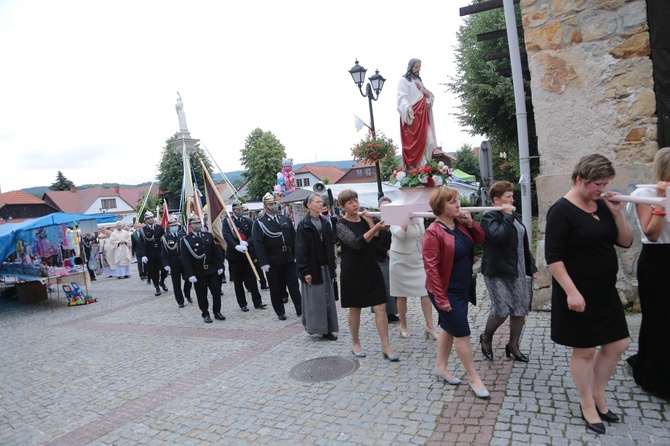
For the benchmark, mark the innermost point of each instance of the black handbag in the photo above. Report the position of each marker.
(336, 290)
(472, 295)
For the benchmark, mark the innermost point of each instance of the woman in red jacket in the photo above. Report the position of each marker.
(448, 253)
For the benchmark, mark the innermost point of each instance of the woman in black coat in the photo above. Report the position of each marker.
(507, 266)
(315, 262)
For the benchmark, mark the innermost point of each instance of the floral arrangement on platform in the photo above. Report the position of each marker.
(374, 149)
(432, 174)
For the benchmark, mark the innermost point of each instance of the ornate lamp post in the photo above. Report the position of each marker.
(375, 85)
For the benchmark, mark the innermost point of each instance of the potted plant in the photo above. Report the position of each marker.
(373, 149)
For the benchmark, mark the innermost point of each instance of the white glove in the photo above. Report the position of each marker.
(167, 268)
(241, 248)
(244, 243)
(219, 271)
(265, 268)
(193, 279)
(144, 259)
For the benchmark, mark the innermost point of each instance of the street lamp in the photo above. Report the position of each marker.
(376, 84)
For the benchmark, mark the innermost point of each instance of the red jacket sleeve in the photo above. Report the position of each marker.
(433, 252)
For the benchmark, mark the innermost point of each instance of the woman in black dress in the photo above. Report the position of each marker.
(586, 312)
(362, 280)
(651, 364)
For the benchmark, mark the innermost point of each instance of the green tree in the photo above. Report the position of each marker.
(261, 156)
(467, 161)
(154, 202)
(487, 96)
(388, 166)
(238, 182)
(61, 182)
(171, 169)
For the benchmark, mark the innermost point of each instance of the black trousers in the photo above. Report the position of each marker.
(213, 283)
(281, 277)
(176, 272)
(242, 275)
(141, 268)
(153, 269)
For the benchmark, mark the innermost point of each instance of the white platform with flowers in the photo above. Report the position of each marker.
(416, 185)
(412, 199)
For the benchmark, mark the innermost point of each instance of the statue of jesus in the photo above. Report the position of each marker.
(417, 129)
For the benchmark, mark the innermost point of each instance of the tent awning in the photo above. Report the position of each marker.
(10, 231)
(459, 174)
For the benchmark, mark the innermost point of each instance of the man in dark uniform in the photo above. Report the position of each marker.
(171, 257)
(240, 269)
(274, 242)
(150, 251)
(203, 265)
(135, 242)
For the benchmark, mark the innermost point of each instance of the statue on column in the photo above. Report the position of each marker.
(180, 114)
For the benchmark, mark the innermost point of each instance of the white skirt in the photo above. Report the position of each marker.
(407, 276)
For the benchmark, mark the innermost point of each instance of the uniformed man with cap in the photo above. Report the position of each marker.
(274, 242)
(149, 251)
(171, 257)
(203, 265)
(240, 269)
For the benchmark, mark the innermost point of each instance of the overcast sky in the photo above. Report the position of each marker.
(89, 87)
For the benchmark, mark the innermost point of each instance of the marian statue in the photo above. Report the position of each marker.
(180, 114)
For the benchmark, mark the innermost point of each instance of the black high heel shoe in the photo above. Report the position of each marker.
(598, 428)
(509, 352)
(608, 416)
(488, 353)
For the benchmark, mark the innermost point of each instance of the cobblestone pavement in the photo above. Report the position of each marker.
(134, 369)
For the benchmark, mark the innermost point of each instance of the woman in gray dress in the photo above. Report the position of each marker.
(507, 266)
(315, 262)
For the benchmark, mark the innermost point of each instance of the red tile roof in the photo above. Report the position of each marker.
(333, 173)
(226, 191)
(362, 164)
(78, 201)
(440, 152)
(132, 195)
(19, 197)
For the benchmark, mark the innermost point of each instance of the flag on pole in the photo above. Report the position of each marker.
(215, 206)
(187, 183)
(188, 180)
(197, 204)
(166, 217)
(358, 123)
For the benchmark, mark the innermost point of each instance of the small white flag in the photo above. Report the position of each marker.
(358, 123)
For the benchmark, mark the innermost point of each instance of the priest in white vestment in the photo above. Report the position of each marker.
(120, 252)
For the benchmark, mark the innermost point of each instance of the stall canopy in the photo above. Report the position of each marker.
(462, 176)
(10, 232)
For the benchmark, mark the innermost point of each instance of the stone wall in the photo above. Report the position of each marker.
(592, 91)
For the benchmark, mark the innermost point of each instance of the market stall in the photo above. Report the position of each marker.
(42, 254)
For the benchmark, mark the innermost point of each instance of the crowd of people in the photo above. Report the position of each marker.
(385, 267)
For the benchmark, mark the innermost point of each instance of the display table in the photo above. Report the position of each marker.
(34, 288)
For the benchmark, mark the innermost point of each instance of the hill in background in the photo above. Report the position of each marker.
(38, 191)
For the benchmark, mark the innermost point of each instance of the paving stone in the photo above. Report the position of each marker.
(134, 369)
